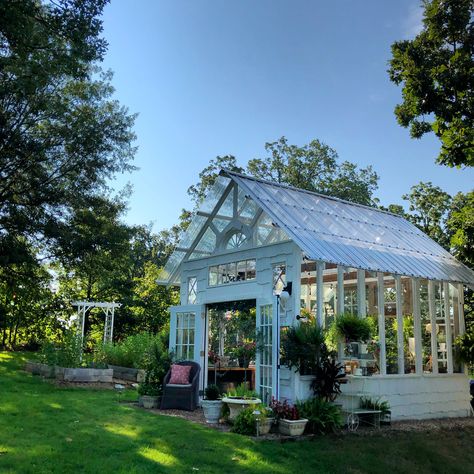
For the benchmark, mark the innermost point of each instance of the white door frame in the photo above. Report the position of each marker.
(199, 318)
(261, 302)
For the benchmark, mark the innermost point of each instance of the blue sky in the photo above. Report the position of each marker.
(211, 77)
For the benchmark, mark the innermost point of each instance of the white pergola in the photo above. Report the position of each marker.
(107, 308)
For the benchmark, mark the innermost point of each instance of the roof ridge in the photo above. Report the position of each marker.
(225, 171)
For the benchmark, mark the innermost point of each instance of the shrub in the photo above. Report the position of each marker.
(212, 392)
(302, 346)
(464, 348)
(150, 389)
(353, 328)
(157, 362)
(66, 353)
(323, 416)
(328, 377)
(284, 410)
(246, 421)
(130, 352)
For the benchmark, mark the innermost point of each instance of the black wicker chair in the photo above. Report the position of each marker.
(182, 397)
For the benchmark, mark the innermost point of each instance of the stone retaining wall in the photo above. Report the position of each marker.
(70, 374)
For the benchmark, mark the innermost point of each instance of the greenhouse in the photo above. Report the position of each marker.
(260, 257)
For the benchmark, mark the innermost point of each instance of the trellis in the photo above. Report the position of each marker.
(107, 308)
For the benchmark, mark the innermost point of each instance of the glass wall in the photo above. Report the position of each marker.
(441, 348)
(455, 321)
(390, 314)
(409, 349)
(350, 291)
(426, 329)
(414, 321)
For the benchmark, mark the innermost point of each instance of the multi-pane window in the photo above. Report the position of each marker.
(192, 290)
(185, 336)
(223, 274)
(266, 367)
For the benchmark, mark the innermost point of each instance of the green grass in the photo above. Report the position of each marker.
(45, 429)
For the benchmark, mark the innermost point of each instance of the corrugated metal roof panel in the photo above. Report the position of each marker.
(353, 235)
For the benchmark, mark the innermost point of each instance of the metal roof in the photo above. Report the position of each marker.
(353, 235)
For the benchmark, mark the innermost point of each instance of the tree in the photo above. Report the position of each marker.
(314, 167)
(436, 71)
(207, 178)
(62, 136)
(460, 227)
(429, 205)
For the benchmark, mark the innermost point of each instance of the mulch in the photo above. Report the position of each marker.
(433, 425)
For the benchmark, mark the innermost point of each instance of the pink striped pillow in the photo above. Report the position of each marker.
(180, 374)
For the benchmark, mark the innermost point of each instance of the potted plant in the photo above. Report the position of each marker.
(253, 420)
(264, 418)
(212, 404)
(149, 395)
(239, 399)
(245, 352)
(353, 329)
(289, 421)
(378, 404)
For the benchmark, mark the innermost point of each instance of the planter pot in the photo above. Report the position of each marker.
(236, 405)
(212, 410)
(265, 426)
(244, 362)
(292, 427)
(386, 418)
(149, 401)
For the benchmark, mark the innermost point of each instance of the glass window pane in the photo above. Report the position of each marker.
(425, 319)
(241, 270)
(251, 270)
(390, 312)
(212, 276)
(408, 325)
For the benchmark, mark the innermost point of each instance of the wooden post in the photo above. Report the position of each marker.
(340, 290)
(400, 348)
(415, 284)
(361, 309)
(449, 333)
(319, 293)
(381, 305)
(434, 334)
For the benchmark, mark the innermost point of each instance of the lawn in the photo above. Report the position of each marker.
(45, 429)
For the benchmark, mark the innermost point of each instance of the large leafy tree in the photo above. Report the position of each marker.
(315, 167)
(62, 136)
(436, 71)
(429, 206)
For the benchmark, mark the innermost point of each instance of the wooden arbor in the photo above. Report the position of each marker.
(107, 308)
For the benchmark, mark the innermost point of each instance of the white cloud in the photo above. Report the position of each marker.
(413, 23)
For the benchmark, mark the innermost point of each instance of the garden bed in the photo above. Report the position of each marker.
(79, 374)
(127, 373)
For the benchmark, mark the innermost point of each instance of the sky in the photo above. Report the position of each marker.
(218, 77)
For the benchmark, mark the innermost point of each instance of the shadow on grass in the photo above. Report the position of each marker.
(44, 428)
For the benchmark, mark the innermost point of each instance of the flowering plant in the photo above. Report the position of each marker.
(284, 410)
(373, 347)
(213, 357)
(245, 350)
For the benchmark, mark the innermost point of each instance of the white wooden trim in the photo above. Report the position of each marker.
(381, 305)
(400, 348)
(340, 290)
(319, 292)
(449, 333)
(361, 306)
(415, 285)
(462, 322)
(434, 335)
